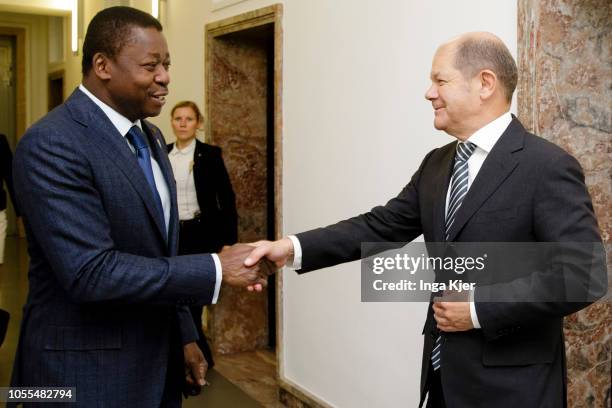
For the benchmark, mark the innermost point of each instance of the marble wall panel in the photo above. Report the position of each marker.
(238, 106)
(564, 95)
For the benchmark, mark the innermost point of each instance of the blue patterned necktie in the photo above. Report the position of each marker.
(459, 187)
(138, 141)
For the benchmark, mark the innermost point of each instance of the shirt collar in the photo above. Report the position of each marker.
(121, 123)
(186, 150)
(486, 137)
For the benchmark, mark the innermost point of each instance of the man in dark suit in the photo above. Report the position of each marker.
(107, 305)
(496, 183)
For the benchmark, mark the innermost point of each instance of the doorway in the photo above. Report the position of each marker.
(12, 96)
(56, 89)
(243, 88)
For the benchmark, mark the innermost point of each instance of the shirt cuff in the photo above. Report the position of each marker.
(297, 253)
(219, 278)
(473, 314)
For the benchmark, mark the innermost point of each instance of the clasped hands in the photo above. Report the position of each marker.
(249, 265)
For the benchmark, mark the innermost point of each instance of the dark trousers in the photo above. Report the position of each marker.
(192, 241)
(435, 398)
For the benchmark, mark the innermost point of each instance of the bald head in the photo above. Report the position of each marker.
(478, 51)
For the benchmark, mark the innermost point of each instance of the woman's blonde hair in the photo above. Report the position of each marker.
(188, 104)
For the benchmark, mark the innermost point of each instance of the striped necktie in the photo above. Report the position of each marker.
(459, 187)
(459, 184)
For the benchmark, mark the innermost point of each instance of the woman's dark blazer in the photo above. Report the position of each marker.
(216, 197)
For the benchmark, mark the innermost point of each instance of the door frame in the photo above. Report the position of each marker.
(20, 79)
(20, 91)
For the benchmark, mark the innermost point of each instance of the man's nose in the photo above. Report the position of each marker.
(163, 76)
(431, 93)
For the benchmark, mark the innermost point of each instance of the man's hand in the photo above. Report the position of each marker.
(195, 368)
(236, 272)
(278, 252)
(452, 313)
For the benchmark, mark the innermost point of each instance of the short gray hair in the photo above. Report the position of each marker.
(475, 54)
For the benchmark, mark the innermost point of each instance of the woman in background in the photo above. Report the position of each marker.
(206, 200)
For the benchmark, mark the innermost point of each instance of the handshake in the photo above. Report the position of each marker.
(249, 265)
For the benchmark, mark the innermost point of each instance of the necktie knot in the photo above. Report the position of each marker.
(137, 138)
(464, 151)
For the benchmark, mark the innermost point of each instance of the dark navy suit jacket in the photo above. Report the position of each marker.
(527, 190)
(107, 297)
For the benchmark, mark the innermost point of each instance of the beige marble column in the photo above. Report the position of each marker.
(564, 95)
(238, 123)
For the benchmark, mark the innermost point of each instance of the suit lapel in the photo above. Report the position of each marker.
(104, 134)
(160, 152)
(498, 165)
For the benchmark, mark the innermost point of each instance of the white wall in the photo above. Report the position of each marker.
(356, 127)
(184, 31)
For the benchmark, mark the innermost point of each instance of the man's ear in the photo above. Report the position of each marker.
(488, 83)
(101, 66)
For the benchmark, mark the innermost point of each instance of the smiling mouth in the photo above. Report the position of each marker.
(159, 98)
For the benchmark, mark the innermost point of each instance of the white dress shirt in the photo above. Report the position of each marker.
(182, 167)
(484, 139)
(123, 125)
